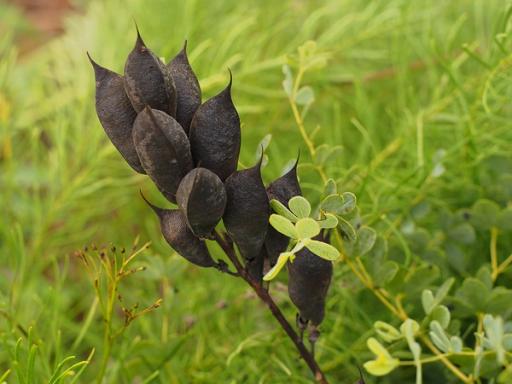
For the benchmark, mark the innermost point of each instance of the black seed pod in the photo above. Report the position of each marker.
(246, 215)
(285, 187)
(309, 277)
(201, 197)
(147, 80)
(281, 189)
(215, 134)
(180, 238)
(163, 149)
(187, 88)
(115, 113)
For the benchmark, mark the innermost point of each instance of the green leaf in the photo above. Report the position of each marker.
(427, 300)
(366, 237)
(473, 295)
(324, 250)
(305, 96)
(409, 328)
(332, 204)
(443, 290)
(386, 331)
(326, 153)
(283, 225)
(456, 344)
(439, 337)
(485, 276)
(463, 233)
(498, 302)
(330, 221)
(349, 203)
(494, 332)
(281, 262)
(347, 230)
(383, 363)
(507, 341)
(504, 221)
(280, 209)
(299, 206)
(386, 271)
(288, 80)
(330, 187)
(307, 228)
(441, 314)
(484, 214)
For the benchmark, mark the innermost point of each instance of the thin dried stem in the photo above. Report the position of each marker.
(264, 296)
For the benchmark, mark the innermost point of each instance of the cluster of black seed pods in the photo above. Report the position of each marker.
(154, 116)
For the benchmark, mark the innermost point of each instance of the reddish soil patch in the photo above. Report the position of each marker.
(46, 17)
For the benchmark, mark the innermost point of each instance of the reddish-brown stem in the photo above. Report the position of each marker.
(263, 294)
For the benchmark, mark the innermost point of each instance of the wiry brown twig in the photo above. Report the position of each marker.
(263, 294)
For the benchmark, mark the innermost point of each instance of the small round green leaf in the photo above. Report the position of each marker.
(427, 300)
(307, 228)
(330, 221)
(283, 225)
(305, 96)
(330, 187)
(282, 210)
(349, 203)
(346, 229)
(442, 314)
(299, 206)
(324, 250)
(332, 204)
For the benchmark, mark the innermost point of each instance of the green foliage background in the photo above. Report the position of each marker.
(417, 93)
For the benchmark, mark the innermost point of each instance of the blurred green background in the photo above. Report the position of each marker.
(417, 94)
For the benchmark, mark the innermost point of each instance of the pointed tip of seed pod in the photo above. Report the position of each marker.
(139, 43)
(230, 80)
(256, 168)
(260, 161)
(149, 111)
(184, 49)
(293, 170)
(298, 158)
(94, 64)
(99, 71)
(156, 209)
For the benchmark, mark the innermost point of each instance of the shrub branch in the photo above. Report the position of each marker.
(264, 296)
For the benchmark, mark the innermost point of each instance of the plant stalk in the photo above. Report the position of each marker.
(274, 309)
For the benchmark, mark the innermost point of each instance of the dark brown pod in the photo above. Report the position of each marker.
(285, 187)
(115, 113)
(188, 91)
(246, 215)
(180, 238)
(215, 134)
(309, 277)
(201, 197)
(281, 189)
(163, 149)
(147, 80)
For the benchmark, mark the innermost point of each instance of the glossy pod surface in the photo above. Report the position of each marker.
(147, 80)
(188, 92)
(246, 215)
(163, 149)
(201, 197)
(116, 113)
(309, 277)
(215, 135)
